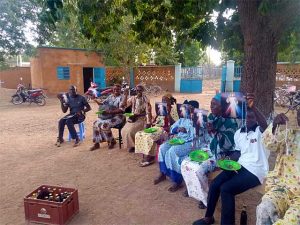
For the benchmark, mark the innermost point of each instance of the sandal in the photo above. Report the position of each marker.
(111, 144)
(159, 179)
(146, 163)
(95, 146)
(77, 142)
(204, 221)
(59, 142)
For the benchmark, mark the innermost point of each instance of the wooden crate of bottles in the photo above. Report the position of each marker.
(51, 205)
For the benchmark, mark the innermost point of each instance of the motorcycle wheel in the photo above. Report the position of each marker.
(17, 100)
(41, 101)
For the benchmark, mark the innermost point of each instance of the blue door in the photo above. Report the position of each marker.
(99, 76)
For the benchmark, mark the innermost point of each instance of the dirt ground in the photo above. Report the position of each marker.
(113, 189)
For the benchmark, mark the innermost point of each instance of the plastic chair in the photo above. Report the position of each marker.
(80, 133)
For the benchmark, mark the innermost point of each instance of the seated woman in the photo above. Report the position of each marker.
(141, 118)
(220, 133)
(146, 143)
(170, 156)
(254, 168)
(281, 202)
(112, 115)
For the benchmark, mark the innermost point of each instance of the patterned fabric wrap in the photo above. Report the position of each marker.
(188, 125)
(110, 103)
(223, 140)
(170, 156)
(145, 143)
(283, 183)
(102, 126)
(141, 106)
(195, 176)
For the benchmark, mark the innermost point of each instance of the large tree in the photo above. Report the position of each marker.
(14, 16)
(263, 22)
(259, 27)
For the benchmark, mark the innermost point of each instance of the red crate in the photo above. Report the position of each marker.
(50, 212)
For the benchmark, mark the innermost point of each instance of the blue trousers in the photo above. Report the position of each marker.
(70, 124)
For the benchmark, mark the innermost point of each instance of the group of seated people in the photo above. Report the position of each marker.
(221, 138)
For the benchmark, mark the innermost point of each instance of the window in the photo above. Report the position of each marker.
(63, 73)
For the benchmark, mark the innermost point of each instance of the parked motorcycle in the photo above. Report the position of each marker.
(95, 92)
(125, 86)
(23, 95)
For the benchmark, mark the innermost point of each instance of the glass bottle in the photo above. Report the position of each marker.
(243, 220)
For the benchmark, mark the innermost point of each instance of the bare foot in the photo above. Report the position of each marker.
(159, 179)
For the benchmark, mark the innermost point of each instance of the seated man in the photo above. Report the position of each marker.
(111, 114)
(281, 203)
(254, 162)
(219, 143)
(170, 156)
(78, 107)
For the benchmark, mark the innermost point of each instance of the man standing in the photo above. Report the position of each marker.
(78, 107)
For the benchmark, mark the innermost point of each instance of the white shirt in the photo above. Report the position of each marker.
(254, 156)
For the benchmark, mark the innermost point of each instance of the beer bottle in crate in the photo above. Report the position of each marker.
(34, 195)
(66, 195)
(243, 220)
(57, 198)
(42, 193)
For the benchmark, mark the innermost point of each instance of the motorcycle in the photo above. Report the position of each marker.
(95, 92)
(125, 86)
(23, 95)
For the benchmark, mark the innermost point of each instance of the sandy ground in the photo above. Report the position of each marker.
(113, 189)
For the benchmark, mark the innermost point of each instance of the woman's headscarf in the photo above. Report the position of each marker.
(217, 97)
(141, 86)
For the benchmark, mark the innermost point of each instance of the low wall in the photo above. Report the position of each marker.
(10, 78)
(288, 74)
(164, 76)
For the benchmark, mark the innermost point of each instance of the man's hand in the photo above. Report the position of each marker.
(280, 119)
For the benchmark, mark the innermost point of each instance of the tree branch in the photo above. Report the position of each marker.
(283, 15)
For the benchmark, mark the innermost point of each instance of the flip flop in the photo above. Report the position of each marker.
(146, 163)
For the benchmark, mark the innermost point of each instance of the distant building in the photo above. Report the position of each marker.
(55, 69)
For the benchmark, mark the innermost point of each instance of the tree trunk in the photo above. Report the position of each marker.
(260, 48)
